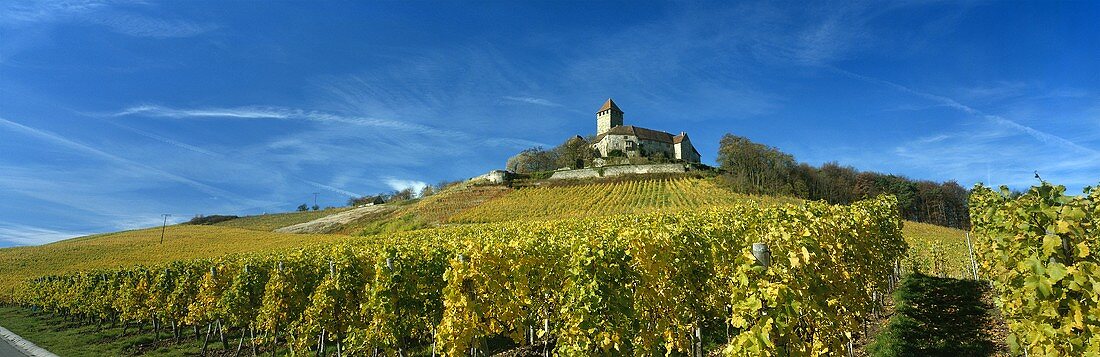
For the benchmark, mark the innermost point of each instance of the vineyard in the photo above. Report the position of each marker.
(1040, 252)
(936, 251)
(140, 247)
(427, 212)
(601, 199)
(643, 284)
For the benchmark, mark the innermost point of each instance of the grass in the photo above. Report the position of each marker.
(937, 251)
(270, 222)
(140, 247)
(428, 212)
(937, 317)
(67, 338)
(934, 250)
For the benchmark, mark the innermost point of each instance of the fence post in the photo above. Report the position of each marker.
(699, 341)
(762, 254)
(973, 263)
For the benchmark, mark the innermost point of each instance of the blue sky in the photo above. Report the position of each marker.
(112, 113)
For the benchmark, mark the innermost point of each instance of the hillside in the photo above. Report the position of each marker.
(601, 199)
(475, 209)
(934, 250)
(270, 222)
(142, 246)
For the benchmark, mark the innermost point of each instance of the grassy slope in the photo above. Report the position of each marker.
(935, 250)
(427, 212)
(270, 222)
(929, 243)
(67, 338)
(140, 247)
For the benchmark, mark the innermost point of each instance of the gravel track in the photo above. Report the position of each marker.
(331, 222)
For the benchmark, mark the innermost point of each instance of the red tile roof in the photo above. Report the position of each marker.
(640, 133)
(609, 104)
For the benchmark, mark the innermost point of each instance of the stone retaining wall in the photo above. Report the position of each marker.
(611, 171)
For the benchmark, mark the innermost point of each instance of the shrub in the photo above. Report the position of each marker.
(208, 220)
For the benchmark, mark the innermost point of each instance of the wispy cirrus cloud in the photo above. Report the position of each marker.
(109, 14)
(997, 155)
(206, 152)
(27, 12)
(136, 25)
(62, 141)
(277, 113)
(13, 234)
(954, 104)
(533, 100)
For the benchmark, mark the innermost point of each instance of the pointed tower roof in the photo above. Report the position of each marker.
(609, 104)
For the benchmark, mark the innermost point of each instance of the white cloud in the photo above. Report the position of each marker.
(400, 184)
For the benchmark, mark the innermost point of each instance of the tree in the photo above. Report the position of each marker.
(576, 152)
(316, 207)
(303, 207)
(755, 168)
(403, 195)
(428, 190)
(535, 159)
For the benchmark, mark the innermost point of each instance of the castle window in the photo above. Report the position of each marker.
(630, 145)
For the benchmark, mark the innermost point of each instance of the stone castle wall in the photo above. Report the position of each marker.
(611, 171)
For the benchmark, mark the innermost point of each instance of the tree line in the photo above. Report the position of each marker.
(576, 152)
(756, 168)
(401, 195)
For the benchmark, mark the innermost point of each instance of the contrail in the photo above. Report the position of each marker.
(1035, 133)
(165, 140)
(277, 113)
(43, 134)
(222, 156)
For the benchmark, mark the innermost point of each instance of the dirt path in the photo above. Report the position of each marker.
(332, 222)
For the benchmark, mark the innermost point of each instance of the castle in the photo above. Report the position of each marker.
(615, 139)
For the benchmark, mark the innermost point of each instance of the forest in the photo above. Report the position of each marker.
(755, 168)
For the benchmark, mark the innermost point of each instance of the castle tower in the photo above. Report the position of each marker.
(608, 117)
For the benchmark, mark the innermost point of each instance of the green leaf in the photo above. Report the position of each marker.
(1050, 243)
(1056, 271)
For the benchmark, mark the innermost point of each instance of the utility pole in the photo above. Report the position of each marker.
(315, 198)
(163, 226)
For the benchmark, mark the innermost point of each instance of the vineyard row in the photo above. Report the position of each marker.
(646, 284)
